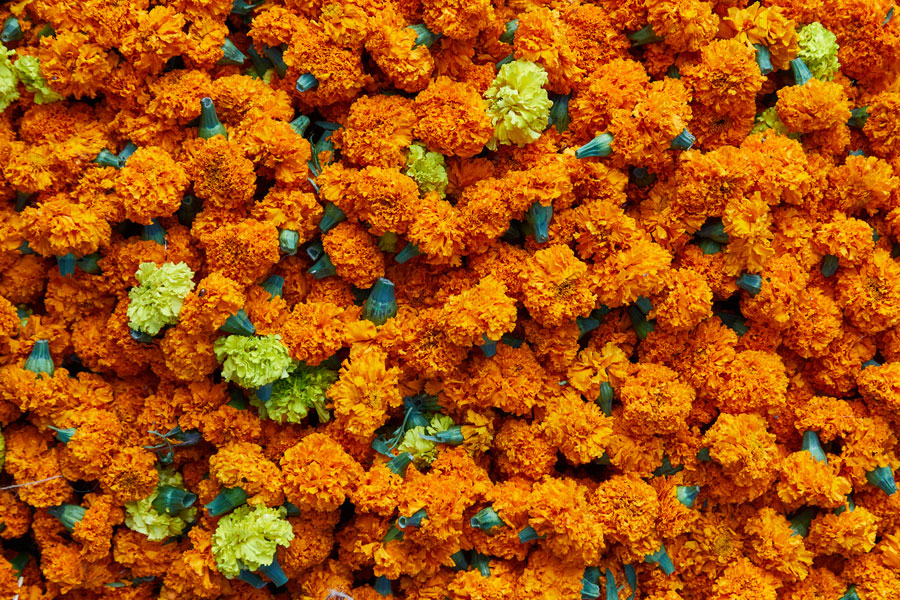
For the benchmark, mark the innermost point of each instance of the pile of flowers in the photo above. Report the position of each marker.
(449, 299)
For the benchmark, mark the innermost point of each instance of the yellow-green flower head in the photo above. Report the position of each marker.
(768, 120)
(424, 451)
(293, 396)
(28, 68)
(156, 302)
(248, 538)
(9, 90)
(251, 361)
(428, 169)
(518, 104)
(819, 50)
(140, 516)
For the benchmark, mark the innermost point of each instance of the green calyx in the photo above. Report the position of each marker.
(600, 146)
(68, 514)
(883, 479)
(210, 126)
(39, 361)
(226, 501)
(381, 304)
(486, 520)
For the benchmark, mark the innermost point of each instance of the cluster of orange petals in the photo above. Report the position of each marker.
(686, 386)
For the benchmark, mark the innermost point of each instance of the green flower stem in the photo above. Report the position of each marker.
(210, 126)
(68, 514)
(227, 500)
(172, 500)
(486, 519)
(238, 324)
(39, 361)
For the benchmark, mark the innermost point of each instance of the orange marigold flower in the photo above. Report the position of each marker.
(685, 25)
(638, 270)
(318, 474)
(150, 185)
(377, 131)
(776, 546)
(94, 531)
(354, 253)
(577, 428)
(615, 85)
(849, 239)
(748, 223)
(31, 456)
(392, 46)
(72, 65)
(452, 118)
(881, 128)
(556, 286)
(541, 37)
(805, 480)
(870, 293)
(767, 26)
(756, 382)
(685, 302)
(313, 331)
(211, 302)
(744, 448)
(655, 400)
(629, 509)
(243, 465)
(457, 19)
(384, 198)
(244, 252)
(364, 392)
(58, 227)
(861, 183)
(158, 37)
(222, 177)
(290, 209)
(131, 475)
(725, 79)
(743, 580)
(562, 510)
(273, 144)
(851, 532)
(187, 356)
(521, 449)
(483, 311)
(813, 106)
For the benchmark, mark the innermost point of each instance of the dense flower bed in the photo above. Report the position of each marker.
(450, 299)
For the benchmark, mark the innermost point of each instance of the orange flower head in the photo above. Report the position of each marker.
(656, 401)
(685, 25)
(274, 144)
(805, 480)
(58, 227)
(150, 185)
(364, 392)
(521, 449)
(378, 131)
(744, 448)
(861, 183)
(392, 46)
(629, 509)
(73, 65)
(222, 177)
(742, 580)
(452, 118)
(725, 79)
(577, 428)
(813, 106)
(131, 475)
(685, 302)
(158, 37)
(766, 26)
(458, 19)
(870, 293)
(561, 510)
(852, 532)
(292, 209)
(313, 331)
(243, 465)
(881, 129)
(318, 473)
(354, 254)
(556, 286)
(615, 85)
(244, 252)
(541, 38)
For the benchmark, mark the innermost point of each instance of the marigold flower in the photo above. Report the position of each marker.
(131, 475)
(655, 400)
(518, 104)
(72, 65)
(572, 525)
(364, 392)
(318, 473)
(150, 185)
(742, 576)
(870, 293)
(392, 45)
(157, 300)
(248, 537)
(378, 130)
(685, 25)
(244, 252)
(556, 286)
(579, 429)
(805, 480)
(452, 118)
(744, 448)
(354, 254)
(58, 227)
(542, 38)
(458, 19)
(242, 464)
(520, 448)
(766, 26)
